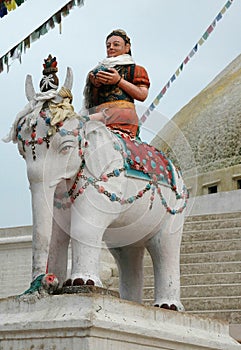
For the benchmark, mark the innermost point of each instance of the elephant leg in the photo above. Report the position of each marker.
(59, 244)
(130, 265)
(85, 262)
(164, 249)
(88, 225)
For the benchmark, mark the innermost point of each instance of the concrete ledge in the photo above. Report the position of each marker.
(216, 203)
(97, 321)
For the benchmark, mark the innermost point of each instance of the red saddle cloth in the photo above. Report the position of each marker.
(147, 159)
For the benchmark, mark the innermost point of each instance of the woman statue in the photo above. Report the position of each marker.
(114, 84)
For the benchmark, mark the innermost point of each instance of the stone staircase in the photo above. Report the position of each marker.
(210, 267)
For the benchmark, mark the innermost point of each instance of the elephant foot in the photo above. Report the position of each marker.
(78, 282)
(167, 307)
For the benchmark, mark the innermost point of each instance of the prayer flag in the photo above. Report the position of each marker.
(195, 48)
(210, 29)
(177, 72)
(164, 90)
(223, 10)
(219, 16)
(205, 35)
(228, 4)
(173, 78)
(191, 54)
(143, 119)
(9, 5)
(159, 96)
(186, 60)
(156, 101)
(16, 51)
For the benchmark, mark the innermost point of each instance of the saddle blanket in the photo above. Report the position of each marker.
(144, 161)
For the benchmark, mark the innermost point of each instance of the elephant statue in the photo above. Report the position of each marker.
(81, 191)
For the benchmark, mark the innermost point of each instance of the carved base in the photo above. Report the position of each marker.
(85, 289)
(96, 319)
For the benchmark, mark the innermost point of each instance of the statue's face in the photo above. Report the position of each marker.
(116, 46)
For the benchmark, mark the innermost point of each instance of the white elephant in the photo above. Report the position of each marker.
(80, 191)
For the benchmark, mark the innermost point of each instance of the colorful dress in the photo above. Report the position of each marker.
(120, 106)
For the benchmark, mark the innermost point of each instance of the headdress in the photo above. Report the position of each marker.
(50, 79)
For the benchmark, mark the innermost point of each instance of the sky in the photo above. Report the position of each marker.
(162, 34)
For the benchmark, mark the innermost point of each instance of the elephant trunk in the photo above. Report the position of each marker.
(42, 209)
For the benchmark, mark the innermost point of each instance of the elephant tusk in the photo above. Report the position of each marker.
(68, 83)
(29, 88)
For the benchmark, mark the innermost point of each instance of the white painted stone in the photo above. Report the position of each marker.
(16, 261)
(96, 322)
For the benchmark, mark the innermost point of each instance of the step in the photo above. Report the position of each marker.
(206, 235)
(196, 281)
(207, 304)
(196, 268)
(214, 290)
(212, 303)
(212, 224)
(220, 256)
(196, 290)
(211, 278)
(199, 291)
(231, 316)
(216, 267)
(223, 216)
(211, 246)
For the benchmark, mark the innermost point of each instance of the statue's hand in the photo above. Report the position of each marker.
(110, 77)
(94, 80)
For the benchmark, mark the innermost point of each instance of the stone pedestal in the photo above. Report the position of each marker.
(96, 321)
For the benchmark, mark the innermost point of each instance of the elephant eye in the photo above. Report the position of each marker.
(65, 147)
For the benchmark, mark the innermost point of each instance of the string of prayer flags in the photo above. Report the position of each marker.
(17, 51)
(9, 5)
(194, 50)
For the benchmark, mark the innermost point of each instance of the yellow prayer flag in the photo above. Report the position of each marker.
(223, 10)
(10, 5)
(156, 101)
(177, 72)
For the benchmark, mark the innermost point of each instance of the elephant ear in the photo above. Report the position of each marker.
(68, 83)
(29, 88)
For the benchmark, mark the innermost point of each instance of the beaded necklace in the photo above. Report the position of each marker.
(66, 199)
